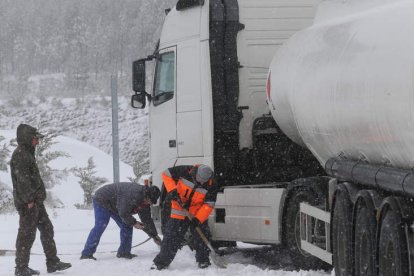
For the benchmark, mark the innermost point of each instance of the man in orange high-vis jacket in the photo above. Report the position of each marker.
(191, 188)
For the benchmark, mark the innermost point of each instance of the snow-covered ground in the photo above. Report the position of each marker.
(72, 227)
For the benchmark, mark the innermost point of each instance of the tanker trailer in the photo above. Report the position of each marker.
(340, 89)
(344, 89)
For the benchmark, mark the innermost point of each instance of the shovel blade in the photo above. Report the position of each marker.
(217, 260)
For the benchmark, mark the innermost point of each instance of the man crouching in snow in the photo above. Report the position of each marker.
(120, 201)
(192, 190)
(29, 194)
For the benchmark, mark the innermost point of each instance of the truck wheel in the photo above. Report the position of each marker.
(341, 235)
(292, 232)
(365, 242)
(393, 253)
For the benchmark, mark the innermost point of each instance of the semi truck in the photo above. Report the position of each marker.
(304, 110)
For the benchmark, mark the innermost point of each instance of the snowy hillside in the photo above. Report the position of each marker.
(90, 122)
(69, 191)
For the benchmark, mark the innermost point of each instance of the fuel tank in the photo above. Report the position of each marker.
(345, 86)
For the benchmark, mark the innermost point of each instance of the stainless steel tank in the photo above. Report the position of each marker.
(345, 86)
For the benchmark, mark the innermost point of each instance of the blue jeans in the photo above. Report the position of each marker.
(102, 217)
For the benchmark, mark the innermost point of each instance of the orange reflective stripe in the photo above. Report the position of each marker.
(204, 212)
(176, 216)
(184, 188)
(187, 183)
(198, 198)
(201, 191)
(169, 182)
(176, 210)
(175, 205)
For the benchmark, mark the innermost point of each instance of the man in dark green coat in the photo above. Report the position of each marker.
(29, 194)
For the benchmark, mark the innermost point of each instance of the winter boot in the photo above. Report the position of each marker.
(26, 271)
(203, 265)
(57, 266)
(125, 255)
(34, 272)
(85, 257)
(158, 267)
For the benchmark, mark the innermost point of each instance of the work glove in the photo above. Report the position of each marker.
(195, 223)
(139, 225)
(157, 240)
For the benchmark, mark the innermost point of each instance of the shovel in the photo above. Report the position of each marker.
(215, 257)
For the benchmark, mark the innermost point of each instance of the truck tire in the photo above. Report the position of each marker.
(393, 253)
(365, 241)
(342, 234)
(299, 257)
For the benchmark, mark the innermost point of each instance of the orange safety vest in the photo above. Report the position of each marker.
(202, 202)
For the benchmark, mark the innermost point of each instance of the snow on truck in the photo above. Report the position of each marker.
(305, 110)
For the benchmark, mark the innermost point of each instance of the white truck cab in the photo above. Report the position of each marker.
(208, 105)
(210, 76)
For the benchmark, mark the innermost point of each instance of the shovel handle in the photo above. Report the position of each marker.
(200, 233)
(204, 238)
(214, 255)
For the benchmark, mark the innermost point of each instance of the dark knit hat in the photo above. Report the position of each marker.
(204, 173)
(153, 193)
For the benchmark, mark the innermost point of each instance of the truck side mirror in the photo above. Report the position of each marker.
(139, 100)
(138, 76)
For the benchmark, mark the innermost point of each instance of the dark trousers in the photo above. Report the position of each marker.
(31, 220)
(102, 217)
(174, 237)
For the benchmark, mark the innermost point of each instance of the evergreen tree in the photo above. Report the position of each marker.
(4, 154)
(44, 156)
(6, 197)
(88, 181)
(140, 166)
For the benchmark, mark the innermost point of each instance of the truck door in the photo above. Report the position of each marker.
(189, 119)
(163, 130)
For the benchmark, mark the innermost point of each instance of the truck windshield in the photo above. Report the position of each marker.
(164, 82)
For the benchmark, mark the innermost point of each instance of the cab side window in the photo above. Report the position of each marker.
(164, 81)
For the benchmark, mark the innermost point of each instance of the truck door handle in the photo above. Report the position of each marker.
(172, 143)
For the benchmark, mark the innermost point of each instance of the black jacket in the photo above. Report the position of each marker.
(27, 183)
(126, 199)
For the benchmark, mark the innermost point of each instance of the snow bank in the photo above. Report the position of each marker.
(69, 191)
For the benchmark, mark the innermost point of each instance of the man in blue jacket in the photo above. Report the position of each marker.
(120, 201)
